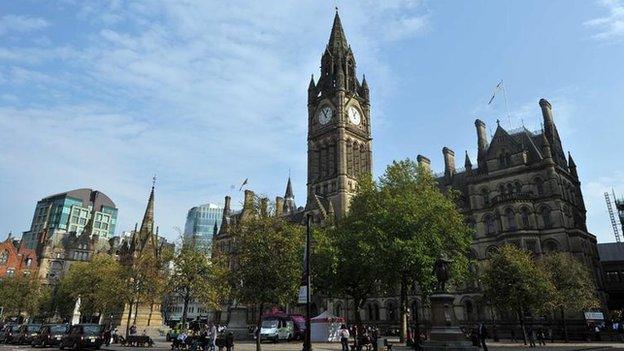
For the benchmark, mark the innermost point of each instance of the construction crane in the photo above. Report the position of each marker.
(614, 223)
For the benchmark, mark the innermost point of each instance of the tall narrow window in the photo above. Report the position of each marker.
(524, 214)
(539, 184)
(489, 225)
(511, 219)
(486, 196)
(545, 213)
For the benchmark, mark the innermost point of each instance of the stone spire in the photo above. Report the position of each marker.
(146, 232)
(572, 166)
(289, 198)
(337, 38)
(215, 229)
(467, 163)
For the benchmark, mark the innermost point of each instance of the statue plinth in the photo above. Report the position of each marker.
(445, 334)
(237, 322)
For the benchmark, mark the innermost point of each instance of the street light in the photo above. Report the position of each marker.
(307, 345)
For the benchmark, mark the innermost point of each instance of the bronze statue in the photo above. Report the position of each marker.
(442, 271)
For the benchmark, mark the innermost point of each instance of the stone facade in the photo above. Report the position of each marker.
(523, 190)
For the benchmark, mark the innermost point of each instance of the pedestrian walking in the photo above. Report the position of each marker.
(531, 337)
(229, 341)
(344, 337)
(482, 336)
(540, 337)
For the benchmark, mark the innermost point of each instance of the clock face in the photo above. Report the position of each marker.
(354, 115)
(324, 115)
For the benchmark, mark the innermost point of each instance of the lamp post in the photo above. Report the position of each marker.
(307, 345)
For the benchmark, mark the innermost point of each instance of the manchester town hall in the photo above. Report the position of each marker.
(522, 189)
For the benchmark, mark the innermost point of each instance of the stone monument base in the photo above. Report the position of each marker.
(237, 322)
(445, 334)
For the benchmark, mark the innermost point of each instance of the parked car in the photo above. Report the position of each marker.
(50, 335)
(26, 333)
(82, 336)
(11, 334)
(5, 334)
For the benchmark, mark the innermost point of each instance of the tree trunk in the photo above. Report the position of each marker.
(403, 307)
(185, 308)
(258, 327)
(565, 326)
(129, 315)
(149, 317)
(521, 317)
(136, 310)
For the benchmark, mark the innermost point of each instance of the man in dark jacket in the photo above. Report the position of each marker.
(483, 335)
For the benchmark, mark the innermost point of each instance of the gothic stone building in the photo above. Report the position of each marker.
(522, 190)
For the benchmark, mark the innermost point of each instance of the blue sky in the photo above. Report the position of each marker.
(205, 94)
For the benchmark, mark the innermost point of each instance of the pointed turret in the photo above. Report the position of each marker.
(88, 228)
(546, 146)
(572, 166)
(215, 229)
(467, 162)
(364, 91)
(337, 64)
(312, 93)
(146, 231)
(289, 198)
(337, 38)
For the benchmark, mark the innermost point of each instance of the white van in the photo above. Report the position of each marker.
(277, 328)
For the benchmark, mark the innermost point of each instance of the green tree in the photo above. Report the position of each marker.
(347, 257)
(574, 288)
(419, 225)
(267, 262)
(514, 282)
(99, 283)
(21, 293)
(195, 277)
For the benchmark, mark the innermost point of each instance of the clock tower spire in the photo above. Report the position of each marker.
(339, 134)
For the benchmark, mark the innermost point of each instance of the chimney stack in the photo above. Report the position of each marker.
(482, 141)
(279, 206)
(249, 198)
(549, 123)
(424, 162)
(226, 207)
(264, 207)
(449, 162)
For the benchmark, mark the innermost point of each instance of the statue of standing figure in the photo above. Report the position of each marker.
(442, 270)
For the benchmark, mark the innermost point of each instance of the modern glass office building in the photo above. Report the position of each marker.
(200, 223)
(69, 212)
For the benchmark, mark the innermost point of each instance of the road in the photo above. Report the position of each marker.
(296, 346)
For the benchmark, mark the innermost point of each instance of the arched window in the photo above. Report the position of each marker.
(545, 214)
(551, 246)
(391, 313)
(490, 226)
(511, 219)
(539, 184)
(4, 257)
(518, 187)
(501, 189)
(524, 217)
(338, 310)
(468, 311)
(486, 196)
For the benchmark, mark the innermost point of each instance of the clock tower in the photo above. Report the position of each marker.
(339, 130)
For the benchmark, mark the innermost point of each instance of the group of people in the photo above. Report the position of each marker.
(209, 337)
(364, 337)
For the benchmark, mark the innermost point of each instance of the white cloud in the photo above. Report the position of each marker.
(20, 24)
(609, 28)
(205, 94)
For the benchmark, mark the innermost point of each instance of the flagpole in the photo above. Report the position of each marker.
(307, 344)
(506, 105)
